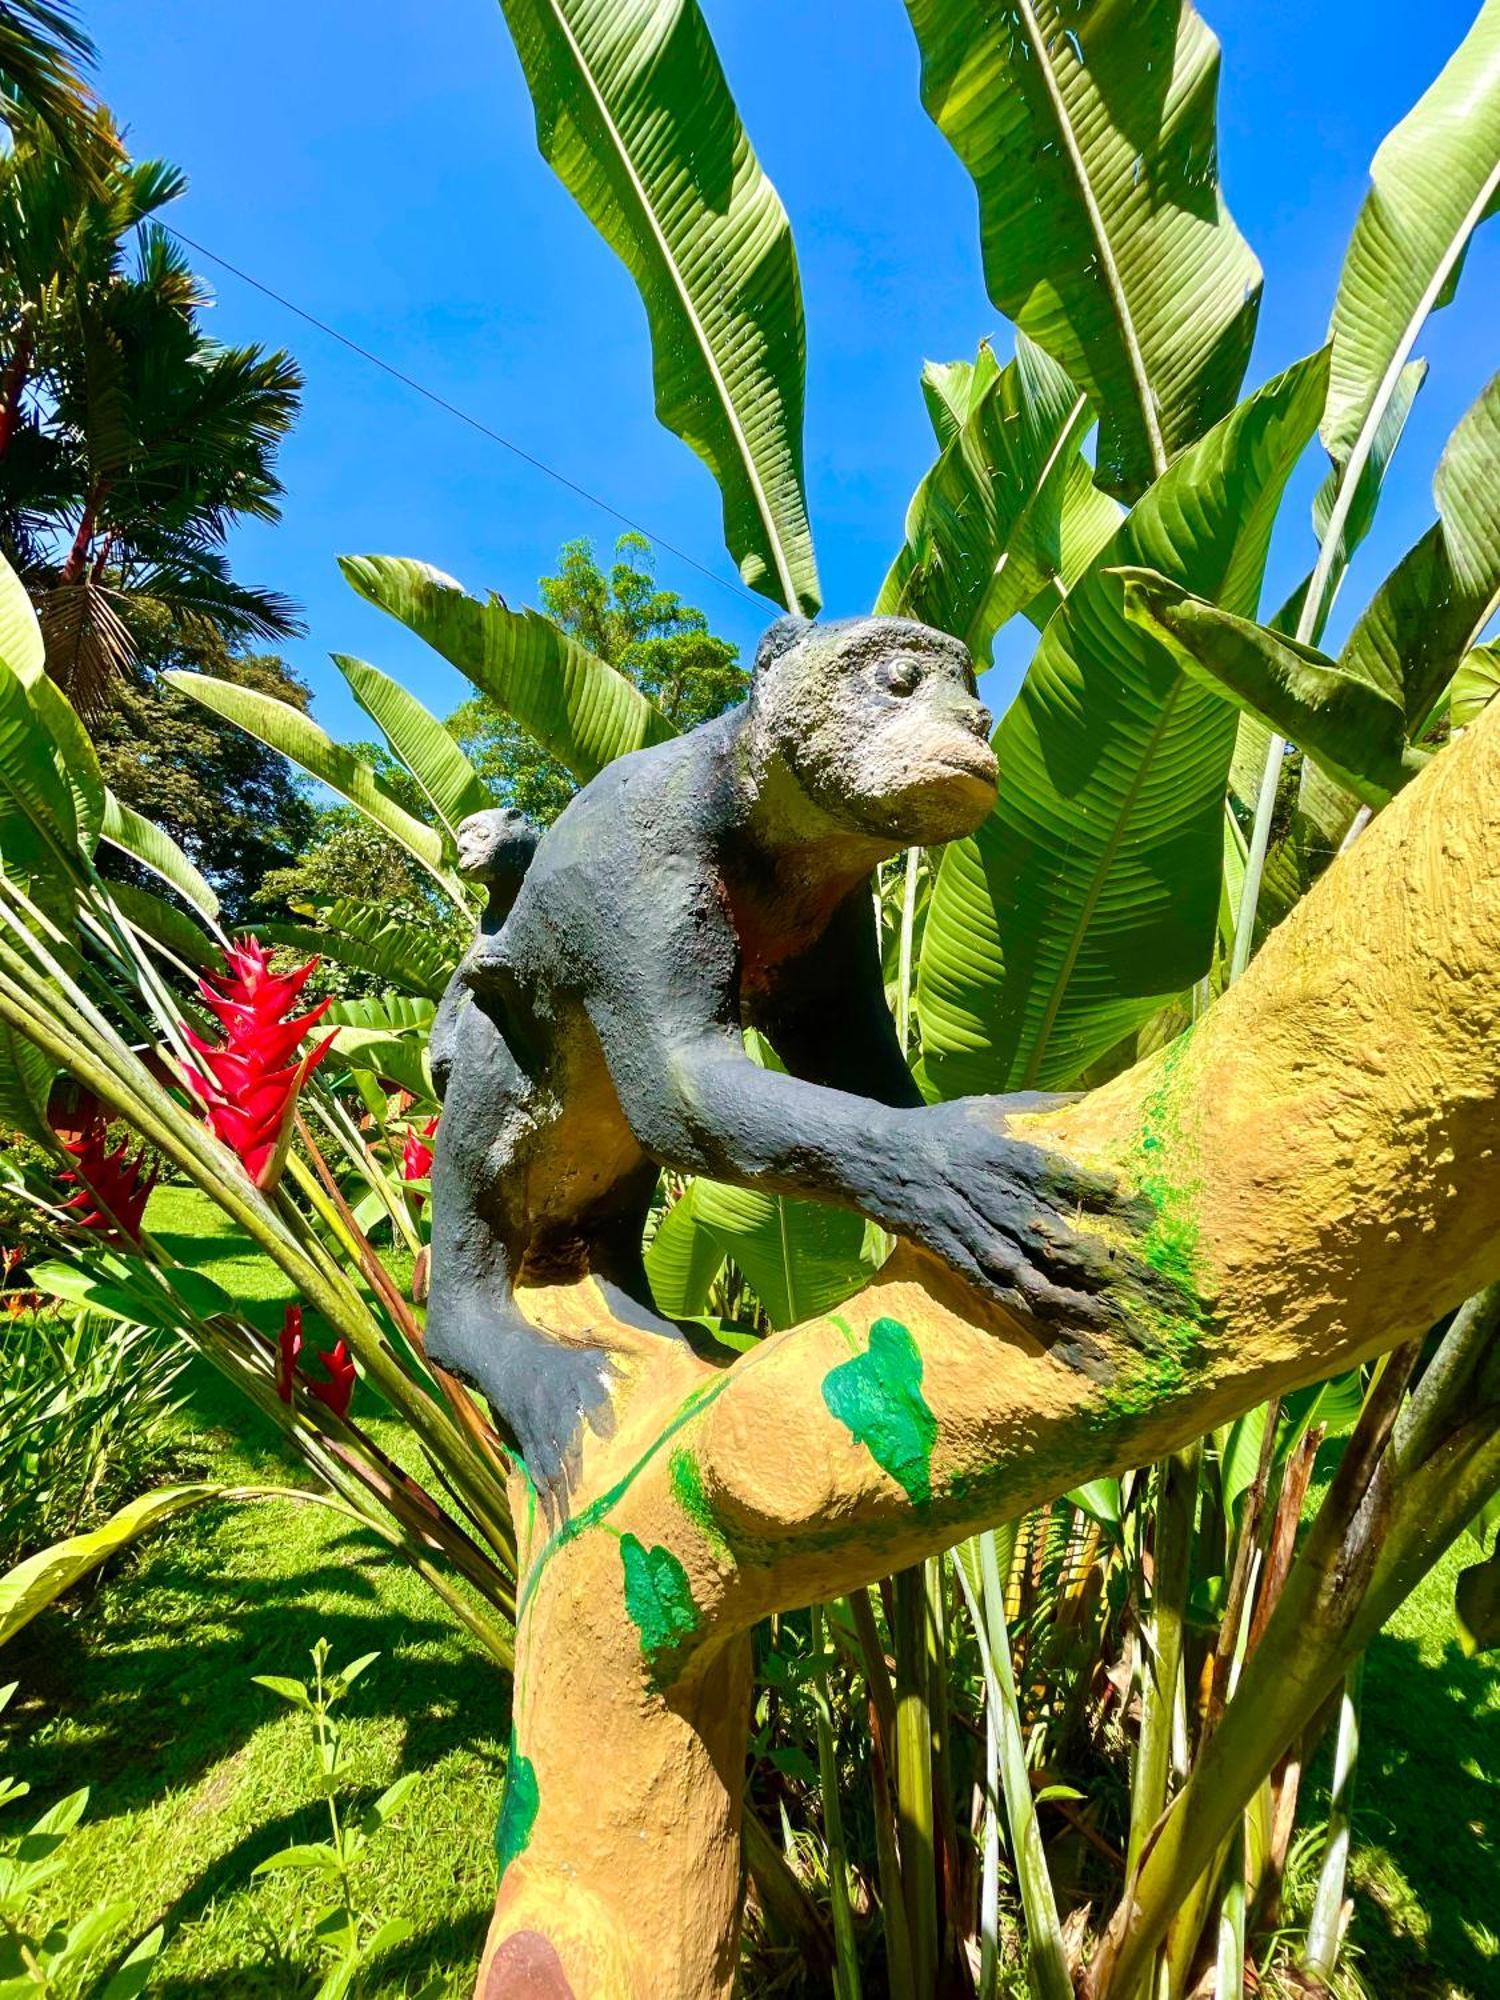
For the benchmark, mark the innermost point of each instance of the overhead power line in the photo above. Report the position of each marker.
(453, 410)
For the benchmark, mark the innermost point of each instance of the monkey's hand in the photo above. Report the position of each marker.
(1019, 1223)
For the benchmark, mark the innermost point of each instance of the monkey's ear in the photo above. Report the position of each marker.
(783, 635)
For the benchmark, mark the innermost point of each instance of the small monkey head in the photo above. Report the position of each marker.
(880, 723)
(495, 849)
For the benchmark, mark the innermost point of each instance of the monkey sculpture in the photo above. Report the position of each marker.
(594, 1033)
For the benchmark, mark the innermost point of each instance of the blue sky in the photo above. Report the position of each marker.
(376, 163)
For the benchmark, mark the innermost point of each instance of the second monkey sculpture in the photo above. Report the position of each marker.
(594, 1033)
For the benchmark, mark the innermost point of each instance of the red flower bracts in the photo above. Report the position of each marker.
(113, 1187)
(416, 1154)
(338, 1391)
(250, 1084)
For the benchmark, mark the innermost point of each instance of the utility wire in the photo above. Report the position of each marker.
(453, 410)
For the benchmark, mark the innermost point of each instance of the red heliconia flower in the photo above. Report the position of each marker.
(416, 1154)
(336, 1393)
(290, 1348)
(113, 1187)
(250, 1084)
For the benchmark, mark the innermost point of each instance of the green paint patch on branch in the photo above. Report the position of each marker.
(518, 1808)
(878, 1398)
(688, 1491)
(1169, 1344)
(659, 1600)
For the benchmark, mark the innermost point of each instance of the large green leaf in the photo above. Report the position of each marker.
(39, 831)
(388, 1013)
(1088, 127)
(800, 1258)
(146, 842)
(51, 793)
(39, 1581)
(299, 739)
(983, 531)
(1357, 732)
(1439, 598)
(952, 389)
(683, 1259)
(21, 644)
(633, 112)
(364, 937)
(165, 925)
(1434, 178)
(454, 789)
(77, 759)
(1475, 685)
(1091, 894)
(580, 709)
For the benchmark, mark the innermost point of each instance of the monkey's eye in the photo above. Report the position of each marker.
(899, 677)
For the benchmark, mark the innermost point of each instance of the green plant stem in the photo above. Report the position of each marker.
(1047, 1959)
(1325, 1930)
(877, 1674)
(1230, 1962)
(1176, 1511)
(1310, 621)
(904, 955)
(914, 1813)
(846, 1957)
(989, 1879)
(1468, 1339)
(882, 1759)
(1375, 1537)
(1255, 859)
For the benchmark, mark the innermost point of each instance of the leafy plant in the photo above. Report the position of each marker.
(41, 1956)
(86, 1408)
(347, 1938)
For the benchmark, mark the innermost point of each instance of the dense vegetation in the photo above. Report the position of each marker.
(239, 1168)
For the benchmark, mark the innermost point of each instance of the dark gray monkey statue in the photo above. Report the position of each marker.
(594, 1032)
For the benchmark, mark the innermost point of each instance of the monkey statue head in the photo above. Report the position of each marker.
(879, 723)
(495, 849)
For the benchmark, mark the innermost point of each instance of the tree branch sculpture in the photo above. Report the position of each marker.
(1307, 1179)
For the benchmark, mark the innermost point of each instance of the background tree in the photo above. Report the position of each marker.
(41, 51)
(230, 803)
(626, 619)
(130, 443)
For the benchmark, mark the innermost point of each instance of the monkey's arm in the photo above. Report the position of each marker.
(828, 1020)
(998, 1210)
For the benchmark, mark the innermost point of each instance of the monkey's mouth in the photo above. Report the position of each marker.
(969, 757)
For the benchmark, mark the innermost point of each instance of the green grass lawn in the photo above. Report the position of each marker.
(142, 1691)
(1426, 1864)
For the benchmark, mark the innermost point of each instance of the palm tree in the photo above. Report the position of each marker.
(129, 441)
(40, 48)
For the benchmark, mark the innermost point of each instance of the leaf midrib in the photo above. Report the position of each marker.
(1364, 442)
(752, 469)
(1090, 903)
(1114, 282)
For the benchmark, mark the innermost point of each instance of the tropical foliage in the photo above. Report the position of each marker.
(129, 441)
(1081, 1730)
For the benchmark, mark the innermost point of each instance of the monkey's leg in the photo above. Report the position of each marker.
(540, 1390)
